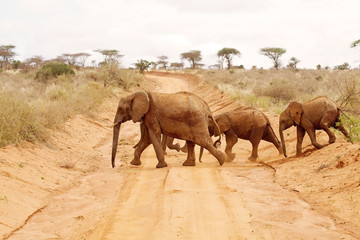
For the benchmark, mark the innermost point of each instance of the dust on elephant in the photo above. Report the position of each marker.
(318, 113)
(181, 115)
(245, 123)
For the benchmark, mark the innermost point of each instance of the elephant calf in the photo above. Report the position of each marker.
(245, 123)
(318, 113)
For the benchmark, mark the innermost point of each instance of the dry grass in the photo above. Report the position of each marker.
(29, 108)
(273, 89)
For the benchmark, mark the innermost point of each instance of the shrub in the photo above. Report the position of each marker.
(353, 125)
(18, 121)
(111, 75)
(51, 70)
(276, 89)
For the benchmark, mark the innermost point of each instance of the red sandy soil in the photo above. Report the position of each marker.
(66, 189)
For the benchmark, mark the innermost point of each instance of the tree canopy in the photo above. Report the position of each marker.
(143, 65)
(194, 57)
(163, 61)
(274, 54)
(355, 43)
(110, 55)
(6, 54)
(228, 54)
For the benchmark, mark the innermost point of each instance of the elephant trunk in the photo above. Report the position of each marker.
(116, 133)
(281, 129)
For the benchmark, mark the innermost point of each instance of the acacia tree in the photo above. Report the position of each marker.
(81, 58)
(228, 54)
(143, 65)
(176, 65)
(111, 56)
(293, 62)
(6, 54)
(274, 54)
(355, 43)
(163, 61)
(194, 57)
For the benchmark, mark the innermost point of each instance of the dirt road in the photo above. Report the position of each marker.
(239, 200)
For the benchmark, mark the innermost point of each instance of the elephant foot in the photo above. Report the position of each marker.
(332, 140)
(189, 163)
(230, 157)
(135, 162)
(161, 164)
(177, 147)
(252, 158)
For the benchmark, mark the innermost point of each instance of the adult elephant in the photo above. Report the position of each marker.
(245, 123)
(181, 115)
(318, 113)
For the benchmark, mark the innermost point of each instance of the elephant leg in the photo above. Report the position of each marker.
(300, 137)
(143, 143)
(271, 137)
(184, 148)
(163, 143)
(255, 137)
(340, 126)
(324, 124)
(312, 136)
(220, 156)
(231, 140)
(190, 161)
(170, 144)
(155, 138)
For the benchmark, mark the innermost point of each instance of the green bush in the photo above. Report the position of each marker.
(352, 124)
(51, 70)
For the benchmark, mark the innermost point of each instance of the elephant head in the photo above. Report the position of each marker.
(291, 116)
(132, 107)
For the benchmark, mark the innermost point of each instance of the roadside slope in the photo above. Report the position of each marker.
(236, 201)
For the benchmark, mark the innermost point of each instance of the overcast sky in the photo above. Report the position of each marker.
(313, 31)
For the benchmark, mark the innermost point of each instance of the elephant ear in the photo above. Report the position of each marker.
(295, 112)
(224, 122)
(139, 106)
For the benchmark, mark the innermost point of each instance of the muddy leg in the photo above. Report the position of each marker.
(220, 156)
(170, 144)
(300, 137)
(340, 126)
(231, 140)
(312, 136)
(190, 161)
(155, 138)
(143, 143)
(255, 137)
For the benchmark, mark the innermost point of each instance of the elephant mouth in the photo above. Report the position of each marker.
(294, 124)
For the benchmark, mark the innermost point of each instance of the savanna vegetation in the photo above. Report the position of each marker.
(273, 89)
(30, 106)
(39, 94)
